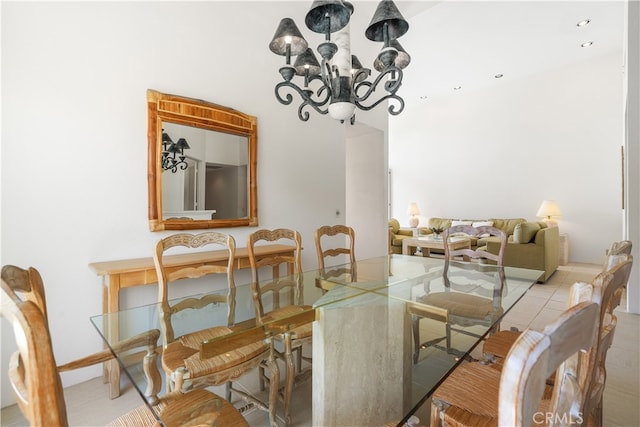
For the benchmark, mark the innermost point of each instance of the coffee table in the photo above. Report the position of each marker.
(431, 242)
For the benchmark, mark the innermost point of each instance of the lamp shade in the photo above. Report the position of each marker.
(307, 60)
(386, 13)
(327, 16)
(413, 212)
(548, 209)
(402, 60)
(288, 33)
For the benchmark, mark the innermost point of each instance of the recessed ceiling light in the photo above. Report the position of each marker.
(423, 97)
(586, 44)
(499, 76)
(457, 88)
(583, 22)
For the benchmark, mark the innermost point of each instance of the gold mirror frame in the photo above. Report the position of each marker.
(201, 114)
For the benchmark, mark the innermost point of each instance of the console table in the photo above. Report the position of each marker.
(127, 273)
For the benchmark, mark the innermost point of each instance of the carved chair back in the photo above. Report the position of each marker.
(468, 230)
(284, 287)
(536, 355)
(168, 274)
(331, 234)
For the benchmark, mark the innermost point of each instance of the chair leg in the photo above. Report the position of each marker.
(416, 338)
(261, 377)
(175, 381)
(228, 390)
(435, 415)
(274, 382)
(299, 359)
(288, 387)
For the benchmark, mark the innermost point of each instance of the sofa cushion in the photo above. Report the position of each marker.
(507, 225)
(525, 232)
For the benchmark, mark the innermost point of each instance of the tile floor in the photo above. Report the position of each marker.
(88, 404)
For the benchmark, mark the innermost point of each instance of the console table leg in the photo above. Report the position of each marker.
(112, 368)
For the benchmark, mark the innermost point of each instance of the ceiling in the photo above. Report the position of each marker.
(466, 43)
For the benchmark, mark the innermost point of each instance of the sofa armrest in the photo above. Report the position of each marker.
(405, 232)
(542, 253)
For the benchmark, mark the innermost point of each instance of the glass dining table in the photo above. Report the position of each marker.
(383, 338)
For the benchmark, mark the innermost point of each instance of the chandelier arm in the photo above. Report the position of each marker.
(306, 98)
(392, 107)
(390, 86)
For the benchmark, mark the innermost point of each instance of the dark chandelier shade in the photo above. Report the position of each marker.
(341, 80)
(171, 150)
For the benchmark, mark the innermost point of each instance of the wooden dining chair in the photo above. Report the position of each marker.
(610, 283)
(479, 394)
(620, 272)
(36, 381)
(339, 242)
(479, 253)
(496, 347)
(535, 356)
(465, 305)
(280, 295)
(181, 356)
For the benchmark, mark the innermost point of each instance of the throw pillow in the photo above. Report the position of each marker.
(483, 224)
(458, 222)
(525, 232)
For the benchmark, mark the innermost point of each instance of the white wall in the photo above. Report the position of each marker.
(499, 152)
(74, 175)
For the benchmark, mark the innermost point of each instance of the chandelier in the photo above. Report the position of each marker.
(171, 150)
(340, 83)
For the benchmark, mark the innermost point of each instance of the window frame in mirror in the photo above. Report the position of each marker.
(185, 111)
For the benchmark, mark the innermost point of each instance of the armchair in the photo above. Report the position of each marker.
(396, 235)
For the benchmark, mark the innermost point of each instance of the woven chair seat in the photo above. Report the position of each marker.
(499, 343)
(459, 304)
(140, 416)
(186, 352)
(201, 404)
(299, 332)
(470, 395)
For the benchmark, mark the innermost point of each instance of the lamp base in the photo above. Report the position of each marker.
(550, 222)
(413, 221)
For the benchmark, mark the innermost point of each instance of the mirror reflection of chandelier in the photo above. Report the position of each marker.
(171, 150)
(341, 80)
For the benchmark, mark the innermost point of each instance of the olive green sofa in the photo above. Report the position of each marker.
(531, 245)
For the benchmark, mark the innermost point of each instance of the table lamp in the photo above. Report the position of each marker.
(549, 209)
(413, 212)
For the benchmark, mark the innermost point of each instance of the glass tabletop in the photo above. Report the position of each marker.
(393, 331)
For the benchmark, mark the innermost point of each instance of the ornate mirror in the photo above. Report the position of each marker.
(201, 164)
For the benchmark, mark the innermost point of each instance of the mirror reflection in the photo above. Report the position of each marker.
(209, 180)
